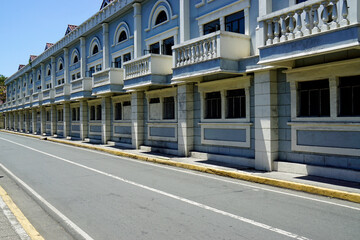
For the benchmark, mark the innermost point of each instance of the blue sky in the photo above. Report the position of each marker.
(27, 25)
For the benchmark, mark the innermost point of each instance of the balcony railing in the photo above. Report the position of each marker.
(108, 76)
(219, 44)
(81, 84)
(48, 94)
(305, 19)
(62, 90)
(149, 64)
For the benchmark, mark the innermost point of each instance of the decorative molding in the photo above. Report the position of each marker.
(156, 10)
(123, 26)
(94, 41)
(162, 125)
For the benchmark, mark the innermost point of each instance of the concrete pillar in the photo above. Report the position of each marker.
(42, 120)
(27, 121)
(261, 31)
(105, 119)
(137, 118)
(185, 109)
(66, 65)
(53, 120)
(42, 77)
(53, 72)
(6, 120)
(137, 30)
(34, 113)
(16, 121)
(266, 120)
(67, 124)
(34, 80)
(84, 121)
(82, 56)
(184, 20)
(21, 121)
(106, 46)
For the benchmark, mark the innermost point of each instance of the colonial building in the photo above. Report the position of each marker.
(271, 85)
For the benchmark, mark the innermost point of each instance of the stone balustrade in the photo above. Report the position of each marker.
(108, 76)
(81, 84)
(305, 19)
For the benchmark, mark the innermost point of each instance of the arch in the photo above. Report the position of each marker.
(161, 17)
(60, 64)
(159, 6)
(38, 75)
(48, 70)
(120, 29)
(95, 43)
(75, 56)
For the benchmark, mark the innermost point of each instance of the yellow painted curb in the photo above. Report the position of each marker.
(28, 227)
(352, 197)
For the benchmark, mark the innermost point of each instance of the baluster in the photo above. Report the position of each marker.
(196, 46)
(298, 33)
(283, 37)
(325, 16)
(201, 51)
(316, 19)
(205, 50)
(344, 13)
(192, 47)
(291, 26)
(307, 31)
(276, 30)
(182, 56)
(214, 47)
(270, 32)
(178, 58)
(334, 24)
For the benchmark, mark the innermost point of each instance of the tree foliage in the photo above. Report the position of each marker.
(2, 88)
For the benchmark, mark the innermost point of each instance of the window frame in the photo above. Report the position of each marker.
(161, 94)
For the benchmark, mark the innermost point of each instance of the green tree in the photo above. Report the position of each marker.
(2, 88)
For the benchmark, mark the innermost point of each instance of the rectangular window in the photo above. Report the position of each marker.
(73, 114)
(117, 62)
(127, 103)
(314, 99)
(349, 89)
(118, 112)
(236, 103)
(91, 71)
(167, 44)
(78, 114)
(154, 100)
(213, 105)
(235, 22)
(98, 67)
(155, 48)
(92, 113)
(98, 112)
(78, 75)
(73, 77)
(212, 27)
(127, 57)
(60, 115)
(47, 116)
(169, 108)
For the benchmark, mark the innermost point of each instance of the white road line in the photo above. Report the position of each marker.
(200, 205)
(13, 221)
(213, 177)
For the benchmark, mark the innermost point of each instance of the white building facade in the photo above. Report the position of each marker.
(270, 85)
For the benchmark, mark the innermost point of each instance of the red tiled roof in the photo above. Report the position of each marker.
(21, 66)
(32, 57)
(48, 45)
(70, 28)
(105, 3)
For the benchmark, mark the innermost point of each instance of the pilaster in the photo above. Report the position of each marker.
(184, 20)
(67, 125)
(43, 120)
(185, 108)
(105, 119)
(53, 72)
(137, 118)
(6, 120)
(53, 120)
(137, 30)
(66, 65)
(82, 56)
(84, 122)
(33, 115)
(27, 121)
(21, 121)
(266, 120)
(105, 45)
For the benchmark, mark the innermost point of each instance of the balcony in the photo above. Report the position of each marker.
(217, 52)
(307, 29)
(108, 81)
(81, 88)
(36, 99)
(62, 92)
(151, 69)
(48, 96)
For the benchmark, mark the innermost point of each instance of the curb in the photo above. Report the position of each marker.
(327, 192)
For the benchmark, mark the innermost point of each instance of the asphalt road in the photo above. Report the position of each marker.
(108, 197)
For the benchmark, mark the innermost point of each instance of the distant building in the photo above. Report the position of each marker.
(271, 85)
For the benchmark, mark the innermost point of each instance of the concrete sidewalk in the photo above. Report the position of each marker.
(7, 230)
(316, 185)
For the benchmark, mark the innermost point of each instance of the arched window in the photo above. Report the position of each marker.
(60, 67)
(95, 49)
(39, 76)
(122, 36)
(49, 72)
(76, 59)
(161, 17)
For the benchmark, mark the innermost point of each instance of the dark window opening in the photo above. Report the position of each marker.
(300, 1)
(117, 62)
(213, 105)
(127, 57)
(73, 115)
(60, 67)
(95, 50)
(169, 108)
(98, 112)
(235, 22)
(154, 100)
(349, 88)
(118, 111)
(91, 71)
(236, 103)
(167, 44)
(92, 113)
(47, 116)
(76, 59)
(127, 103)
(155, 48)
(122, 36)
(161, 17)
(49, 72)
(314, 99)
(212, 27)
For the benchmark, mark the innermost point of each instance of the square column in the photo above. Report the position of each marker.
(27, 121)
(185, 108)
(43, 120)
(137, 30)
(67, 124)
(21, 121)
(33, 115)
(137, 119)
(105, 119)
(84, 121)
(266, 120)
(53, 120)
(16, 121)
(6, 120)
